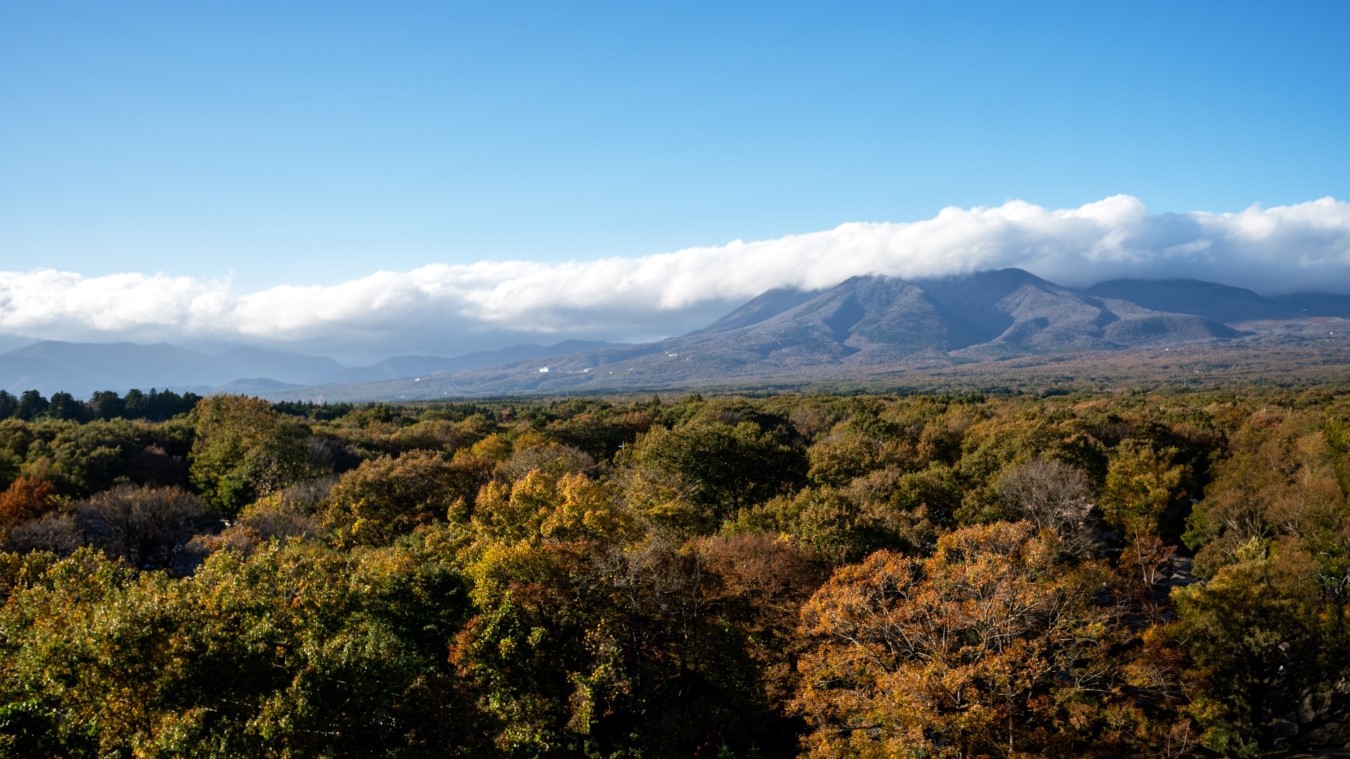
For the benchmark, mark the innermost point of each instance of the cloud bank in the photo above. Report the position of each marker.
(445, 308)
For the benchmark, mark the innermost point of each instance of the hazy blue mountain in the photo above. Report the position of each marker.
(1210, 300)
(256, 387)
(121, 366)
(20, 373)
(13, 342)
(417, 366)
(82, 369)
(1314, 304)
(295, 368)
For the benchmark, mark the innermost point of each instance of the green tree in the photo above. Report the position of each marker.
(692, 477)
(1271, 653)
(1144, 490)
(31, 405)
(293, 650)
(64, 406)
(243, 449)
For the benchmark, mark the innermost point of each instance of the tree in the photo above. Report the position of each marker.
(26, 498)
(1142, 486)
(93, 456)
(854, 447)
(987, 648)
(911, 508)
(387, 497)
(64, 406)
(821, 520)
(243, 449)
(1053, 496)
(692, 477)
(31, 405)
(1279, 480)
(145, 527)
(757, 583)
(293, 650)
(106, 404)
(1271, 653)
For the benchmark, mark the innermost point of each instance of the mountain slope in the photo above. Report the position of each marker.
(241, 362)
(760, 308)
(861, 327)
(121, 366)
(1210, 300)
(1013, 311)
(416, 366)
(1314, 304)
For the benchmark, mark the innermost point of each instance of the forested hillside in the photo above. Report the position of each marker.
(1146, 574)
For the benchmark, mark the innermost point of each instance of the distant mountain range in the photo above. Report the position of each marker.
(85, 368)
(865, 326)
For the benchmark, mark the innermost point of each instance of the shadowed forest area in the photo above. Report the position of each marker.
(1153, 574)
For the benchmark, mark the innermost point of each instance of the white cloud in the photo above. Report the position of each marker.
(67, 305)
(442, 308)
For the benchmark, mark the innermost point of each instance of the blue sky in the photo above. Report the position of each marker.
(313, 144)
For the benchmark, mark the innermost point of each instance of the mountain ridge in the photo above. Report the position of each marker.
(863, 326)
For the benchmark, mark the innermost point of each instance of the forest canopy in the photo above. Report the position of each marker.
(1159, 574)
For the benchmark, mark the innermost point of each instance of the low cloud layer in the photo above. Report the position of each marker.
(445, 309)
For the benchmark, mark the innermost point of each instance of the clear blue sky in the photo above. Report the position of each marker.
(310, 143)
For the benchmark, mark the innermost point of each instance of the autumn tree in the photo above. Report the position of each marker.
(757, 583)
(911, 508)
(1280, 479)
(989, 647)
(855, 447)
(1144, 490)
(386, 497)
(293, 650)
(26, 498)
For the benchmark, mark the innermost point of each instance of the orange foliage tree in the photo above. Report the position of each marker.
(26, 498)
(988, 648)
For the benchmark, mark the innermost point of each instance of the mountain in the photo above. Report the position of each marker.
(279, 366)
(877, 319)
(13, 342)
(20, 373)
(1220, 303)
(1314, 304)
(89, 367)
(1210, 300)
(765, 306)
(865, 326)
(1013, 311)
(416, 366)
(85, 368)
